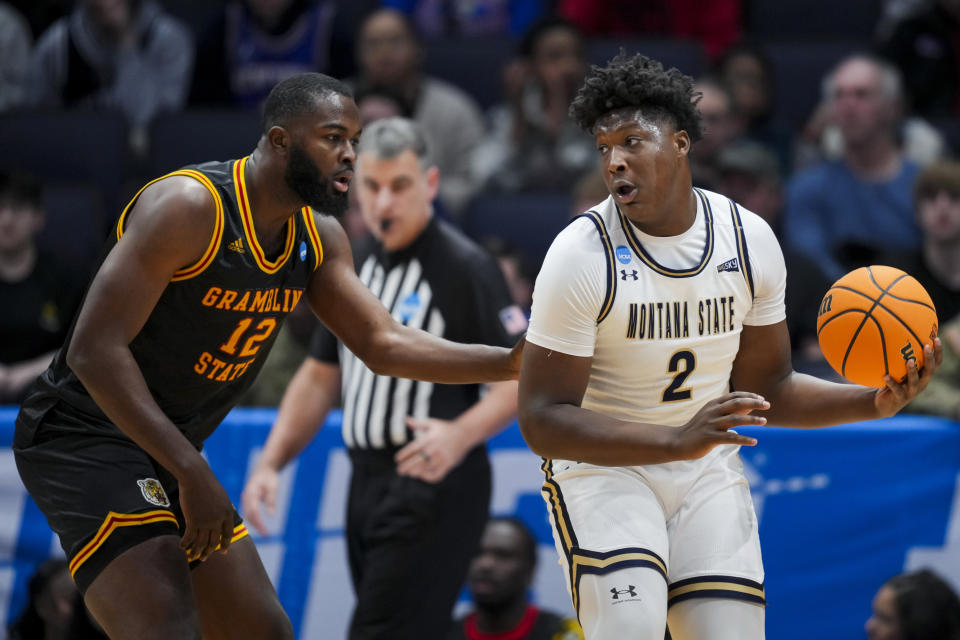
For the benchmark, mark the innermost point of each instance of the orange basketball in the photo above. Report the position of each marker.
(872, 321)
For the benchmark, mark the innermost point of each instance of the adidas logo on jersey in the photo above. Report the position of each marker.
(237, 245)
(729, 265)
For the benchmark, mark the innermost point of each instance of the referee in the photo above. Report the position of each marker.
(420, 489)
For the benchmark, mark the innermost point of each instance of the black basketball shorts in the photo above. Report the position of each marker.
(101, 495)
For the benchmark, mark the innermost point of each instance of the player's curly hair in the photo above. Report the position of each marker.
(641, 82)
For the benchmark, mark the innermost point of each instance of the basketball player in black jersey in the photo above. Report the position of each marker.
(203, 266)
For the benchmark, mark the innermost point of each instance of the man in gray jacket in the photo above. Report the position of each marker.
(128, 55)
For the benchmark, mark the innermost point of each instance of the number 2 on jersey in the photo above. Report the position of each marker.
(264, 328)
(681, 364)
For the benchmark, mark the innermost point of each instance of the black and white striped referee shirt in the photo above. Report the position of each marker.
(444, 284)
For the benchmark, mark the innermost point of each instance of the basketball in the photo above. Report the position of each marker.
(873, 320)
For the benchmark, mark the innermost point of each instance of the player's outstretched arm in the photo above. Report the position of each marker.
(311, 394)
(169, 227)
(361, 322)
(763, 365)
(554, 425)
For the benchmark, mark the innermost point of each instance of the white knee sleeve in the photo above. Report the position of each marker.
(716, 619)
(627, 604)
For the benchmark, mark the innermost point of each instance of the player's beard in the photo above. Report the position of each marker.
(306, 180)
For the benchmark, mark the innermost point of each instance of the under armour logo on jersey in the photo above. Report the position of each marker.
(729, 265)
(632, 274)
(630, 590)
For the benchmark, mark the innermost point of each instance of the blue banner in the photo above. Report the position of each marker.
(841, 510)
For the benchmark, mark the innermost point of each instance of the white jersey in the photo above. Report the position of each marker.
(660, 316)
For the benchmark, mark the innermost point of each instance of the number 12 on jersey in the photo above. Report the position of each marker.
(252, 345)
(214, 368)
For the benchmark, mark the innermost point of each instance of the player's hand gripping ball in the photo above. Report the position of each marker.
(872, 321)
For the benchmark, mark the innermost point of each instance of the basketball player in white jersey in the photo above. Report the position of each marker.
(657, 325)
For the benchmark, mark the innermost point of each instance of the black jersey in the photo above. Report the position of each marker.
(212, 327)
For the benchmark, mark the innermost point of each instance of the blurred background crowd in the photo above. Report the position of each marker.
(838, 128)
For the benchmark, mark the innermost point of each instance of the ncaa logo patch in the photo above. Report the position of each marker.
(303, 250)
(623, 254)
(153, 492)
(408, 307)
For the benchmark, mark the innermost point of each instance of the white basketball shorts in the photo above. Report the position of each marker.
(691, 521)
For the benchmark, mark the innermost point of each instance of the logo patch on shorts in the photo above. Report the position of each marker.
(625, 595)
(153, 492)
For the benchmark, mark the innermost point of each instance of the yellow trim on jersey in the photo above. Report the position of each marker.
(246, 216)
(211, 251)
(311, 224)
(110, 524)
(611, 292)
(741, 246)
(239, 531)
(648, 259)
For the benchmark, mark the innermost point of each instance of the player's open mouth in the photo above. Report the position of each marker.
(342, 181)
(385, 225)
(624, 191)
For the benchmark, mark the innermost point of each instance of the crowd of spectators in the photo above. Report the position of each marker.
(836, 163)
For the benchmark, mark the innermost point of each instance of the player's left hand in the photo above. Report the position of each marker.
(438, 447)
(896, 395)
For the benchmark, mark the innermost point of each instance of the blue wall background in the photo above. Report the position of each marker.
(840, 509)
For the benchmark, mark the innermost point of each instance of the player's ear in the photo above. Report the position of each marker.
(681, 141)
(278, 139)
